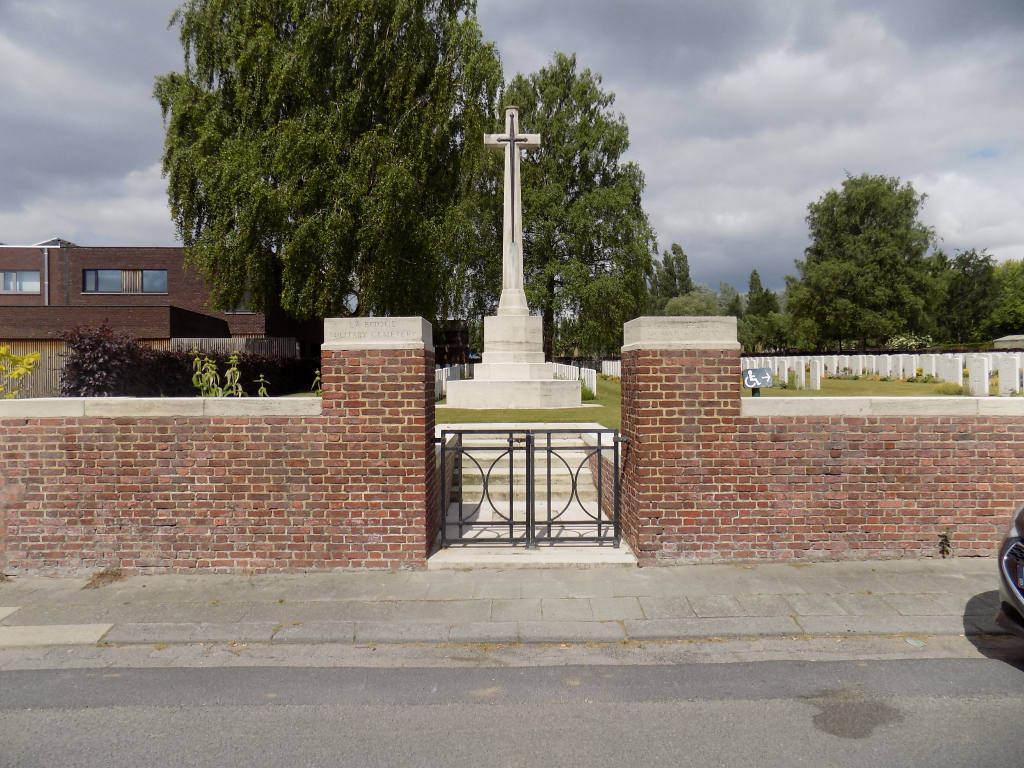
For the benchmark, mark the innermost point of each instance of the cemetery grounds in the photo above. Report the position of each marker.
(606, 408)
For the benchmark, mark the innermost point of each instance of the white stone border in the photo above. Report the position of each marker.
(882, 406)
(157, 407)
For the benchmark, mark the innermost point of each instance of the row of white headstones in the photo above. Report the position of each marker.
(809, 370)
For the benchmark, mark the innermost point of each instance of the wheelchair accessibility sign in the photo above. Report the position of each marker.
(754, 378)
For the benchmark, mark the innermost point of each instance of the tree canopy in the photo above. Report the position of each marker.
(328, 156)
(587, 243)
(865, 275)
(671, 278)
(760, 300)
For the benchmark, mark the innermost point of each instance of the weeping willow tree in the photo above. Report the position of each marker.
(326, 155)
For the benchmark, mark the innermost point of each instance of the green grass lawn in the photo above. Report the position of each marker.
(857, 388)
(609, 395)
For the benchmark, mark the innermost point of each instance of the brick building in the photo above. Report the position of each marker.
(53, 286)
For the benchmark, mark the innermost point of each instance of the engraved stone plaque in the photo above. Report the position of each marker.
(680, 333)
(377, 333)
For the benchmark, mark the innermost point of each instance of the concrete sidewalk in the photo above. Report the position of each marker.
(562, 605)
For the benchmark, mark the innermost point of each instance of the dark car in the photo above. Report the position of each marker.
(1011, 577)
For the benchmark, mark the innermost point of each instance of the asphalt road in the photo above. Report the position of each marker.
(928, 712)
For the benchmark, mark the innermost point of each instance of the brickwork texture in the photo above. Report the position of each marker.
(349, 488)
(702, 483)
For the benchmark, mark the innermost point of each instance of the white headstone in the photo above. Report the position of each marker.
(978, 368)
(815, 373)
(1009, 375)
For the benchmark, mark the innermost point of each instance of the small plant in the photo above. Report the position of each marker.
(945, 547)
(316, 384)
(232, 386)
(205, 377)
(14, 368)
(263, 386)
(586, 393)
(104, 577)
(949, 388)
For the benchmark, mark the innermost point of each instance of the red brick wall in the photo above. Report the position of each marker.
(353, 487)
(702, 483)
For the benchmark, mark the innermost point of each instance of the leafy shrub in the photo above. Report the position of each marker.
(909, 341)
(949, 388)
(586, 393)
(100, 363)
(14, 368)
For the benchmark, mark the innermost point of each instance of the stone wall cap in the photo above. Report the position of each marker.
(680, 333)
(900, 407)
(344, 333)
(157, 407)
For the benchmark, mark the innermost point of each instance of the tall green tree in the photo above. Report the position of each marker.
(327, 155)
(671, 278)
(760, 300)
(587, 243)
(865, 275)
(1008, 315)
(969, 287)
(730, 301)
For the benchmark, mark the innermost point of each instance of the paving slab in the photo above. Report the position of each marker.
(616, 608)
(508, 558)
(450, 611)
(189, 633)
(814, 605)
(566, 610)
(54, 634)
(7, 611)
(485, 632)
(682, 629)
(388, 632)
(882, 625)
(667, 608)
(516, 610)
(321, 610)
(317, 632)
(764, 605)
(864, 605)
(916, 605)
(717, 606)
(571, 632)
(497, 589)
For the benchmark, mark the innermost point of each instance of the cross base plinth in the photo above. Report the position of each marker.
(513, 373)
(481, 394)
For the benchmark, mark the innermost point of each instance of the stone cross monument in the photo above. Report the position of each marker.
(513, 373)
(513, 298)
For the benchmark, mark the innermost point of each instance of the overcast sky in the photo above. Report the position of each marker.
(741, 112)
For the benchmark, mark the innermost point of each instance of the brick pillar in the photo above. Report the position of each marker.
(378, 385)
(680, 403)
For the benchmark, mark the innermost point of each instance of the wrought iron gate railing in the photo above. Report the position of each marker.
(530, 487)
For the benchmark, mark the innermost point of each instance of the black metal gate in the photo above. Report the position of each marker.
(530, 486)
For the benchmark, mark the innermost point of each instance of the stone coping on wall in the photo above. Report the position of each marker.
(153, 407)
(882, 406)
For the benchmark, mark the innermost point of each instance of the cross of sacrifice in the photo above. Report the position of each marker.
(512, 232)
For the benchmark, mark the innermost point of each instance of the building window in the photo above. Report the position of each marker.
(242, 308)
(20, 281)
(154, 281)
(124, 281)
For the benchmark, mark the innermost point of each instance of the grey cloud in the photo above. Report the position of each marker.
(741, 112)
